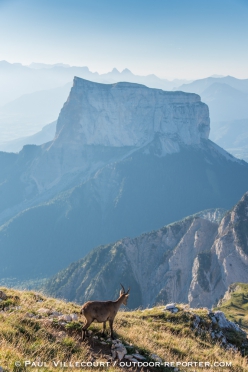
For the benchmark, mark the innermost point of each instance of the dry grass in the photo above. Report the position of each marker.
(170, 336)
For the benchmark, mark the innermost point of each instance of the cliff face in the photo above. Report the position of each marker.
(126, 114)
(114, 117)
(192, 261)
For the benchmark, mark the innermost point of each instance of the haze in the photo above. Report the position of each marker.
(173, 39)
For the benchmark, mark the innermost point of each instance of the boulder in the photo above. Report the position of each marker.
(156, 358)
(74, 317)
(170, 306)
(44, 311)
(66, 318)
(139, 357)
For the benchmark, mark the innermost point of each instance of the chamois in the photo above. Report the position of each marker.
(103, 311)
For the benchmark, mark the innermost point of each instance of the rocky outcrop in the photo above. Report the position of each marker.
(228, 259)
(192, 261)
(157, 266)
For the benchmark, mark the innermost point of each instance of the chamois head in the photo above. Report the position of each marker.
(124, 294)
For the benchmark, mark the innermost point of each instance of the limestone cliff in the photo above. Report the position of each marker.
(126, 114)
(122, 116)
(228, 259)
(192, 261)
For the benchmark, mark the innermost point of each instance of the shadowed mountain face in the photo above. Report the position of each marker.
(192, 261)
(126, 159)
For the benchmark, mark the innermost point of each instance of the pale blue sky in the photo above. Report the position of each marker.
(170, 38)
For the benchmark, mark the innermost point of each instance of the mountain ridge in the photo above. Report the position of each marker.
(184, 262)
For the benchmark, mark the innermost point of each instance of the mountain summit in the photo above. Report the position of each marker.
(126, 114)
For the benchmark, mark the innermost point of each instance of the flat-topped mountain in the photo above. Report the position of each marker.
(126, 159)
(123, 116)
(126, 114)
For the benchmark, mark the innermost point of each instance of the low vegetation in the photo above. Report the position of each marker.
(28, 332)
(235, 304)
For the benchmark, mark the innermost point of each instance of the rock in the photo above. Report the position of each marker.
(139, 357)
(29, 315)
(66, 318)
(62, 324)
(226, 324)
(3, 296)
(119, 350)
(128, 356)
(74, 317)
(1, 369)
(221, 319)
(144, 112)
(44, 311)
(213, 319)
(104, 343)
(196, 321)
(170, 306)
(175, 310)
(55, 314)
(121, 353)
(156, 358)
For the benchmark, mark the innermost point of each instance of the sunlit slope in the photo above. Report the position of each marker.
(30, 329)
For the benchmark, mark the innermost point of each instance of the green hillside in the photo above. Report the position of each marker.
(235, 304)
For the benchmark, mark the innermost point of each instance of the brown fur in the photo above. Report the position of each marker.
(103, 311)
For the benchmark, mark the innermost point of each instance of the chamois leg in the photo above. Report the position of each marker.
(103, 328)
(111, 328)
(85, 327)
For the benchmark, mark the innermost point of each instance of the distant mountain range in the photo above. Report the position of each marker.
(125, 159)
(227, 98)
(41, 90)
(46, 134)
(198, 86)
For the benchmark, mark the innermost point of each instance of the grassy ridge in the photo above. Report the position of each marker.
(151, 331)
(235, 304)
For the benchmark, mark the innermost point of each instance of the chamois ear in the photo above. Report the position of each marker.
(128, 291)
